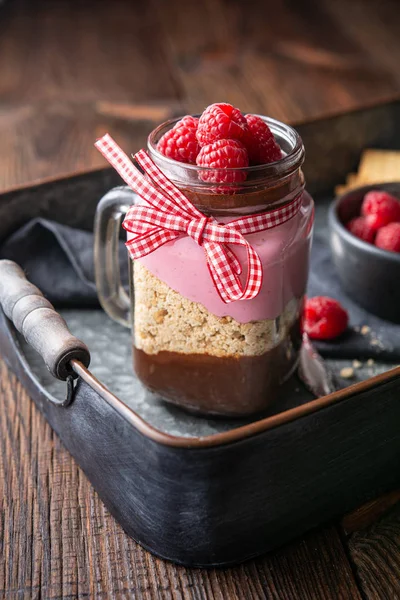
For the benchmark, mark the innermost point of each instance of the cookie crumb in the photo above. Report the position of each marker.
(365, 329)
(370, 362)
(357, 364)
(159, 316)
(347, 373)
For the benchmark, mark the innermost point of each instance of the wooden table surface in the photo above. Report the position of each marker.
(71, 71)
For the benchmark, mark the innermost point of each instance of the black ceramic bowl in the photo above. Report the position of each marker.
(369, 275)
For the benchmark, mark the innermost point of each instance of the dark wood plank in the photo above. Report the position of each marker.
(373, 28)
(375, 554)
(317, 565)
(73, 70)
(293, 61)
(82, 51)
(58, 541)
(57, 139)
(367, 514)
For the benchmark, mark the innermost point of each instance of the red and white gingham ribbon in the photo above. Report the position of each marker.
(168, 214)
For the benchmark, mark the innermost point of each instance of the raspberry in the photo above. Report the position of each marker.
(361, 229)
(187, 121)
(380, 208)
(221, 122)
(180, 142)
(221, 155)
(388, 237)
(260, 142)
(324, 318)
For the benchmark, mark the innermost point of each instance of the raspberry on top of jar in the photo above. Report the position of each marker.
(223, 138)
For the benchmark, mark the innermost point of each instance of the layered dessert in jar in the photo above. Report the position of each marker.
(193, 344)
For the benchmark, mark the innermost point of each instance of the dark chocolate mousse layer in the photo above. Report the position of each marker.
(248, 197)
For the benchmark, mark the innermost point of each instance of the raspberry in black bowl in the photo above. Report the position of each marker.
(379, 220)
(365, 241)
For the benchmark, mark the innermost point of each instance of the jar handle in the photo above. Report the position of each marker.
(107, 226)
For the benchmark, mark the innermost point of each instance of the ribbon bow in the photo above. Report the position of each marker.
(168, 214)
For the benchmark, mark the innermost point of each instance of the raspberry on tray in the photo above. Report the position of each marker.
(324, 318)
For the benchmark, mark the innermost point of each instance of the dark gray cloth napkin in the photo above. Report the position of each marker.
(59, 260)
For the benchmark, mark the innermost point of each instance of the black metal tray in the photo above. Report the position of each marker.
(211, 491)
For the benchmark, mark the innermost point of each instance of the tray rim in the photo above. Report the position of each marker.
(238, 433)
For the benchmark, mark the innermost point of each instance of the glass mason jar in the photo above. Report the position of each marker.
(188, 345)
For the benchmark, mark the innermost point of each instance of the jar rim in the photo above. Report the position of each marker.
(292, 159)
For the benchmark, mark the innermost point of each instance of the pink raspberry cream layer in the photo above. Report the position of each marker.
(283, 250)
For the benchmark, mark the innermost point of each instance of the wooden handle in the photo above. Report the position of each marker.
(35, 318)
